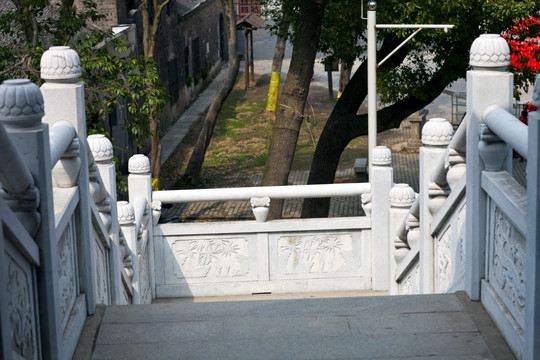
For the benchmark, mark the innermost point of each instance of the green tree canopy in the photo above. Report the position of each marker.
(29, 27)
(411, 79)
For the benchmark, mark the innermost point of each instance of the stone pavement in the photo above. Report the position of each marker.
(447, 326)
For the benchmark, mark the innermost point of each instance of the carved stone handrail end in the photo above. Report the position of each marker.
(260, 207)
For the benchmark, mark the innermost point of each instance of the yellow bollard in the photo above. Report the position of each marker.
(155, 184)
(271, 101)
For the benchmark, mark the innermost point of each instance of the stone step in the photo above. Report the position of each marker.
(447, 326)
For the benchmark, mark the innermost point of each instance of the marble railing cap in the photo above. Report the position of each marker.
(381, 156)
(101, 147)
(489, 51)
(60, 64)
(437, 132)
(139, 164)
(401, 195)
(21, 103)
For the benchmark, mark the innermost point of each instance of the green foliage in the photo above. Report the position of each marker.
(343, 36)
(110, 80)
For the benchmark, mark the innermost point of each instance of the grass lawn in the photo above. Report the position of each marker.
(242, 137)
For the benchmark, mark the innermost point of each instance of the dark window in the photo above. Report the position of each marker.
(173, 80)
(196, 56)
(186, 62)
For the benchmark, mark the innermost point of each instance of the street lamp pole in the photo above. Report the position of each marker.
(372, 64)
(372, 77)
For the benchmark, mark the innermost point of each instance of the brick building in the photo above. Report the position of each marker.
(191, 46)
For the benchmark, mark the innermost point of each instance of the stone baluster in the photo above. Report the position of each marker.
(433, 190)
(366, 203)
(260, 207)
(65, 154)
(492, 149)
(456, 167)
(532, 269)
(21, 109)
(380, 178)
(401, 197)
(102, 154)
(63, 95)
(126, 219)
(140, 186)
(17, 183)
(488, 83)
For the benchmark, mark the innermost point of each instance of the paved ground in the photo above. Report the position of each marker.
(352, 327)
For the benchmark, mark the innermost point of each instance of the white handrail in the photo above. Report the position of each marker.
(276, 192)
(508, 128)
(61, 135)
(139, 206)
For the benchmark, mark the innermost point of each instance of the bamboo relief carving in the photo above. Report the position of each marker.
(316, 253)
(21, 313)
(445, 263)
(509, 260)
(144, 280)
(101, 275)
(66, 270)
(211, 258)
(411, 283)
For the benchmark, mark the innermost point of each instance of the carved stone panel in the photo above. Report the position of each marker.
(21, 309)
(67, 272)
(318, 254)
(411, 282)
(210, 258)
(144, 278)
(445, 262)
(450, 253)
(101, 272)
(507, 267)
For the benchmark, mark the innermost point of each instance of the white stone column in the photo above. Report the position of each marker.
(21, 109)
(380, 177)
(140, 185)
(63, 96)
(401, 197)
(436, 135)
(488, 83)
(532, 270)
(102, 152)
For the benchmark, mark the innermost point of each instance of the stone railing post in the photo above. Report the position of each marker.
(140, 185)
(63, 95)
(401, 197)
(532, 270)
(488, 83)
(436, 136)
(102, 152)
(21, 109)
(380, 178)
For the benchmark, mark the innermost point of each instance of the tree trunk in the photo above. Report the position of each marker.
(344, 76)
(193, 170)
(344, 125)
(289, 115)
(277, 62)
(150, 33)
(155, 148)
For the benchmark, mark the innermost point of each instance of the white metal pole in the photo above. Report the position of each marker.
(372, 77)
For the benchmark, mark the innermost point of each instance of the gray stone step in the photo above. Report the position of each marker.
(446, 326)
